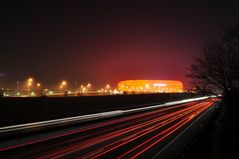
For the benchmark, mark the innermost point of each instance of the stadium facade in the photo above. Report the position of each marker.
(151, 86)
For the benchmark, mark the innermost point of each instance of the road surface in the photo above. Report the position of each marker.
(138, 135)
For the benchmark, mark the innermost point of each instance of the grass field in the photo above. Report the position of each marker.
(24, 110)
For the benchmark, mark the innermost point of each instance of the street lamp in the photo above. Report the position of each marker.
(63, 85)
(30, 80)
(29, 84)
(38, 85)
(88, 85)
(39, 90)
(76, 89)
(18, 86)
(107, 86)
(83, 89)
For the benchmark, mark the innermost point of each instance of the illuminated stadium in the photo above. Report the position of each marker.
(150, 86)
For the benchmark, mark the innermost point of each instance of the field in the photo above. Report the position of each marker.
(25, 110)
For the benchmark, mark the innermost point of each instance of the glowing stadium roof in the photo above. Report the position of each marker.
(150, 86)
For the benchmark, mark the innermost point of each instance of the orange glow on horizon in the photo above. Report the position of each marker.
(151, 86)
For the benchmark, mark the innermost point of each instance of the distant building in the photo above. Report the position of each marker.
(150, 86)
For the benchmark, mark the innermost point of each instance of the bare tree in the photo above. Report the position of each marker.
(217, 68)
(231, 39)
(1, 93)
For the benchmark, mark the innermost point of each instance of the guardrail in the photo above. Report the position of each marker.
(181, 141)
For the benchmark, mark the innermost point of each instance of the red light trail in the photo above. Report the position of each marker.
(108, 138)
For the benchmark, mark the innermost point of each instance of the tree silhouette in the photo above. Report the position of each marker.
(217, 68)
(1, 93)
(232, 41)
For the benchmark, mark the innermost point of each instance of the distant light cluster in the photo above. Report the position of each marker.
(32, 88)
(151, 86)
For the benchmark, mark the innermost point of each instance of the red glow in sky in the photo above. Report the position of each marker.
(142, 54)
(106, 41)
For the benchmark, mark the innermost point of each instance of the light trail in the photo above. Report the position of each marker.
(166, 133)
(94, 126)
(140, 136)
(80, 147)
(95, 116)
(100, 139)
(143, 130)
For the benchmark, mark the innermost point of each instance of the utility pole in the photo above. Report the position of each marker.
(76, 88)
(18, 86)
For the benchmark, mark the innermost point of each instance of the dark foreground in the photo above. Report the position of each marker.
(26, 110)
(220, 139)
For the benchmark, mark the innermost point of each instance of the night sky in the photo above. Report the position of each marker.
(106, 41)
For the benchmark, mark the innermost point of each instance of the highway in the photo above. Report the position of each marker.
(137, 135)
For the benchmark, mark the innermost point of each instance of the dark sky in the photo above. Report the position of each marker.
(106, 41)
